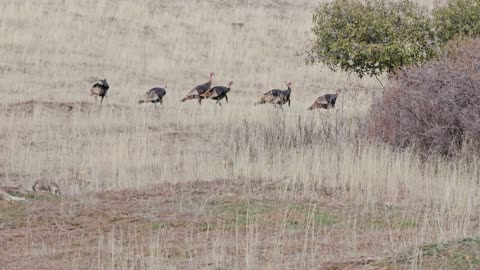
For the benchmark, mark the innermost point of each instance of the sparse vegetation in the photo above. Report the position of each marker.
(458, 254)
(159, 225)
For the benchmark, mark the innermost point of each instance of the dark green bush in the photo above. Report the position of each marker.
(456, 18)
(370, 37)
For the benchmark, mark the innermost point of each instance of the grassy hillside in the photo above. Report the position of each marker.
(188, 186)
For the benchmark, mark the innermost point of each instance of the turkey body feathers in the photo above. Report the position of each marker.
(217, 92)
(199, 90)
(153, 95)
(276, 96)
(326, 101)
(100, 89)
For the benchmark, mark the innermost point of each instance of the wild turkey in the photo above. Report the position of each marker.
(277, 96)
(198, 90)
(154, 95)
(326, 101)
(218, 93)
(45, 185)
(100, 89)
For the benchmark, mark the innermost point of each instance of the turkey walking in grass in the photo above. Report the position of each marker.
(277, 96)
(154, 95)
(100, 89)
(198, 90)
(218, 93)
(45, 185)
(326, 101)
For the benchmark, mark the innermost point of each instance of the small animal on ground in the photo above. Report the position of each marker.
(154, 95)
(218, 93)
(45, 185)
(326, 101)
(99, 89)
(277, 96)
(198, 90)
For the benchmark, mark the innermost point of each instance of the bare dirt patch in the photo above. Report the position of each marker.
(189, 220)
(29, 107)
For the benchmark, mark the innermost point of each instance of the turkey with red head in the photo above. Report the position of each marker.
(198, 90)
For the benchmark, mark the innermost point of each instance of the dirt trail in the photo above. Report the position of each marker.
(29, 107)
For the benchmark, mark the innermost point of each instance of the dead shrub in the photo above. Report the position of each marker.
(434, 108)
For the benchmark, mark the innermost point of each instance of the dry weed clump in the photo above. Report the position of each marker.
(434, 108)
(281, 135)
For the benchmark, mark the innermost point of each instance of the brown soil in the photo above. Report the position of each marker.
(28, 107)
(51, 233)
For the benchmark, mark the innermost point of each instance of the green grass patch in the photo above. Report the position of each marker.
(394, 222)
(159, 225)
(321, 218)
(302, 216)
(241, 213)
(205, 226)
(44, 196)
(13, 214)
(237, 213)
(461, 254)
(407, 223)
(29, 196)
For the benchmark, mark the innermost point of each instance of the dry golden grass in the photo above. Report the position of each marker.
(202, 186)
(54, 50)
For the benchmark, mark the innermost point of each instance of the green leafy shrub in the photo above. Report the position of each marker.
(456, 18)
(370, 37)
